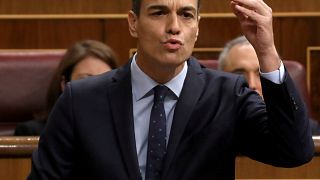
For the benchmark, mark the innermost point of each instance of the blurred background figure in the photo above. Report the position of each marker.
(83, 59)
(238, 56)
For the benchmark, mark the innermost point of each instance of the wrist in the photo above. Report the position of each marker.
(269, 60)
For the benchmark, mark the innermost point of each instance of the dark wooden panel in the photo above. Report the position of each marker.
(247, 168)
(64, 7)
(216, 32)
(222, 6)
(122, 6)
(296, 34)
(119, 38)
(315, 83)
(294, 5)
(47, 34)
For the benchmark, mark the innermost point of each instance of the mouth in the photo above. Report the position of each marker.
(172, 45)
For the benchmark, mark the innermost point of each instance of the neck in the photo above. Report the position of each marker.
(160, 73)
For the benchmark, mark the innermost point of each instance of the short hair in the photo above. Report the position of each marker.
(241, 40)
(136, 5)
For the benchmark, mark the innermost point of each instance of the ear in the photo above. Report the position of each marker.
(132, 21)
(197, 34)
(198, 28)
(63, 83)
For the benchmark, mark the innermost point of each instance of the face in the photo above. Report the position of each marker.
(242, 59)
(89, 66)
(166, 31)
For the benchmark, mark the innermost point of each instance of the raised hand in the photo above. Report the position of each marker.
(255, 18)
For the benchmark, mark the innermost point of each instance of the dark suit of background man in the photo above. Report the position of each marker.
(99, 127)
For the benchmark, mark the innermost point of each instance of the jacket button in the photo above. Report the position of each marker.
(293, 101)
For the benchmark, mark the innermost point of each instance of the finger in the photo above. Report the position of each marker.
(238, 14)
(246, 13)
(258, 6)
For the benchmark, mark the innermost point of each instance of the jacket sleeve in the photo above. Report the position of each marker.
(55, 154)
(275, 130)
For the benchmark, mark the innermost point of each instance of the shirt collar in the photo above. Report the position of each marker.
(142, 83)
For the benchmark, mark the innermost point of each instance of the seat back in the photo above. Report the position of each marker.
(24, 77)
(212, 64)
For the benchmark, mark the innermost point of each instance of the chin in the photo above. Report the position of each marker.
(177, 56)
(173, 60)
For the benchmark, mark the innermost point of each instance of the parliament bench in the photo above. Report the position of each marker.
(24, 77)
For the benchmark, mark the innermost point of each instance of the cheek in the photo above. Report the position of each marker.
(148, 38)
(259, 83)
(191, 36)
(189, 43)
(153, 29)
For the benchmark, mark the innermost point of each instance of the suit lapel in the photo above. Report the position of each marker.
(120, 95)
(189, 96)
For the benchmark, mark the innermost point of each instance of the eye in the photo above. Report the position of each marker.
(237, 71)
(157, 13)
(188, 15)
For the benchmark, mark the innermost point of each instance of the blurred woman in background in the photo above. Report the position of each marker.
(83, 59)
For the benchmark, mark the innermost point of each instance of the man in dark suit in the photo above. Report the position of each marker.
(99, 128)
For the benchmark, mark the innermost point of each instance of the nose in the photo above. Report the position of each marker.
(173, 25)
(253, 81)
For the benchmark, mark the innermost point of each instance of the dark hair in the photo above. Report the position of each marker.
(136, 5)
(75, 54)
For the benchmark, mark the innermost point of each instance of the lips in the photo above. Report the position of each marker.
(172, 45)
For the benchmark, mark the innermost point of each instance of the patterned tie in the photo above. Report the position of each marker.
(157, 135)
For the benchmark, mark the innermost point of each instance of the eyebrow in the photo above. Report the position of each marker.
(151, 7)
(188, 8)
(238, 70)
(163, 7)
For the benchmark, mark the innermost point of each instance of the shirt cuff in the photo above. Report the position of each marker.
(276, 76)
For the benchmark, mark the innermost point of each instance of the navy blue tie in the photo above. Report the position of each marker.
(157, 135)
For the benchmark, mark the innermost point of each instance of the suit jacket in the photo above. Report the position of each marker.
(30, 128)
(90, 133)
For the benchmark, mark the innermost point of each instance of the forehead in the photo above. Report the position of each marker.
(242, 50)
(243, 55)
(169, 3)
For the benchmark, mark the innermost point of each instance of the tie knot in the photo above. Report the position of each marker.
(160, 92)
